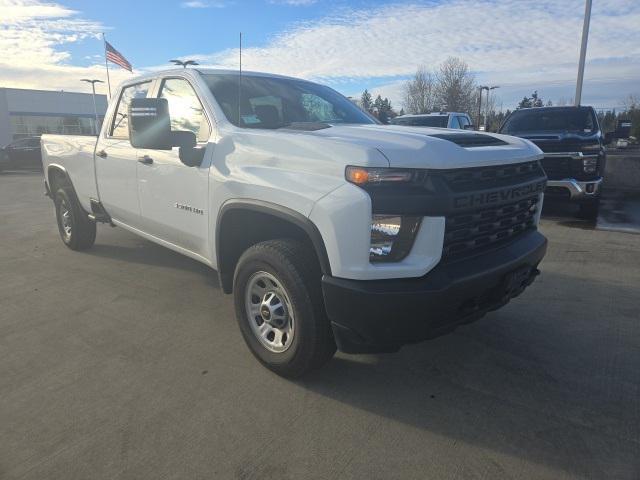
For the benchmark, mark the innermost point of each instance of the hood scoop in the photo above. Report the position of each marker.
(470, 140)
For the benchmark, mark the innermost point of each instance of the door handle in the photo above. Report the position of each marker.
(146, 160)
(101, 154)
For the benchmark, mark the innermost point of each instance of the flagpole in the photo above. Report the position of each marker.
(106, 64)
(240, 81)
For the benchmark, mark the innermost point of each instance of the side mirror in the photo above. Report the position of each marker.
(149, 123)
(188, 153)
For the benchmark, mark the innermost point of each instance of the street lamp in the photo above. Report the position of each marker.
(93, 88)
(486, 120)
(583, 51)
(185, 63)
(481, 88)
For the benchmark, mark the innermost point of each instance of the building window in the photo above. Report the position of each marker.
(35, 125)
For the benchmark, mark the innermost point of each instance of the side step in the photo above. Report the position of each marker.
(98, 213)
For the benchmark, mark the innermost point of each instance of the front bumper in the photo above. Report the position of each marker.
(382, 315)
(576, 190)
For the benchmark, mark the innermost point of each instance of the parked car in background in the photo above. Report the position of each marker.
(456, 120)
(21, 154)
(574, 151)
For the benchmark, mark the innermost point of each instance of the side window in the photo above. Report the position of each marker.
(120, 124)
(454, 122)
(318, 109)
(185, 108)
(463, 122)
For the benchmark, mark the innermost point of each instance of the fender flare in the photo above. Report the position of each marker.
(58, 168)
(284, 213)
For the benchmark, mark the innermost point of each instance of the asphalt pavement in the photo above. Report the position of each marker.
(125, 362)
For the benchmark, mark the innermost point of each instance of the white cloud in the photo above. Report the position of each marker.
(203, 4)
(509, 42)
(294, 3)
(33, 35)
(517, 44)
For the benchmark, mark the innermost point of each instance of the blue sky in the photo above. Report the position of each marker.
(521, 45)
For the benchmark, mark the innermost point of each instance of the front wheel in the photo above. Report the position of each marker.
(589, 210)
(279, 307)
(77, 231)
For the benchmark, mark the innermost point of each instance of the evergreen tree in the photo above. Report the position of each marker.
(525, 103)
(535, 100)
(366, 101)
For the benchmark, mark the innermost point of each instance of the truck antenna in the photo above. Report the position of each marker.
(240, 81)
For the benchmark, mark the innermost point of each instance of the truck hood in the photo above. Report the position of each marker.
(436, 148)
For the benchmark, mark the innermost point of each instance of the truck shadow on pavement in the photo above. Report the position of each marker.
(565, 214)
(535, 381)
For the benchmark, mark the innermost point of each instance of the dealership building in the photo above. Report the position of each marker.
(28, 113)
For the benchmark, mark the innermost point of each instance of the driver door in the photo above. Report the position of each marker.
(174, 197)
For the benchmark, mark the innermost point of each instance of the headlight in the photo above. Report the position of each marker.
(392, 237)
(366, 176)
(590, 165)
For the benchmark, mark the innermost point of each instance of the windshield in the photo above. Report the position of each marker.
(426, 121)
(579, 120)
(270, 102)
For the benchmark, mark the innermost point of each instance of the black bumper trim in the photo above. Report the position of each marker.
(382, 315)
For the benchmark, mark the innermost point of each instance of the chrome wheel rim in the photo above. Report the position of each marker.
(65, 219)
(269, 312)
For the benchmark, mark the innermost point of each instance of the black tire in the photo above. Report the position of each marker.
(589, 210)
(296, 269)
(77, 231)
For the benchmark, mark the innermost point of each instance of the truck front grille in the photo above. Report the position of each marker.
(482, 229)
(478, 178)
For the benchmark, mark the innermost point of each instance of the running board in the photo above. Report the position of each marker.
(98, 213)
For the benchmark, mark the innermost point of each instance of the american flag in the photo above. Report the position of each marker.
(116, 57)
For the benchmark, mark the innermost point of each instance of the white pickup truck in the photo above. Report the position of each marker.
(330, 229)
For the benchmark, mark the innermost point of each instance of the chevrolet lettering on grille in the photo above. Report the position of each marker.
(497, 196)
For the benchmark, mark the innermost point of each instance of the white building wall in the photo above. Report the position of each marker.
(15, 101)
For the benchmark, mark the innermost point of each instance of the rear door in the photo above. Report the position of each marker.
(173, 196)
(116, 161)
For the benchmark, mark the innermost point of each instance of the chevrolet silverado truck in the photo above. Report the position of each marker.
(331, 230)
(574, 151)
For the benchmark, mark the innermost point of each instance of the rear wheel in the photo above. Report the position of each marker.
(279, 307)
(77, 231)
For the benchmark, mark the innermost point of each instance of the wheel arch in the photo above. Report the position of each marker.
(57, 176)
(243, 223)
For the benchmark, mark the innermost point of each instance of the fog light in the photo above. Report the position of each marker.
(392, 237)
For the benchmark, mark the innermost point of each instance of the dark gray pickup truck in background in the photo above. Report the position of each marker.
(574, 151)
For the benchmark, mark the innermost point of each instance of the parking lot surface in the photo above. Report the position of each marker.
(125, 362)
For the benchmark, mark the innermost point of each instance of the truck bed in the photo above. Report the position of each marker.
(75, 154)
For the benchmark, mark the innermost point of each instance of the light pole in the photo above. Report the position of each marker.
(583, 51)
(95, 108)
(185, 63)
(481, 88)
(486, 121)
